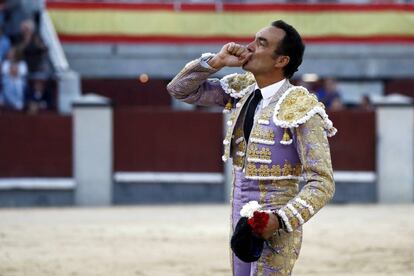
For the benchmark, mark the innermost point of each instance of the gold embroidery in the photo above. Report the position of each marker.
(313, 145)
(227, 146)
(229, 104)
(241, 81)
(233, 116)
(274, 263)
(229, 133)
(237, 159)
(275, 170)
(266, 113)
(254, 152)
(297, 170)
(286, 137)
(293, 220)
(282, 191)
(260, 268)
(226, 152)
(238, 147)
(288, 184)
(263, 191)
(297, 104)
(242, 146)
(263, 170)
(263, 133)
(287, 169)
(238, 133)
(305, 213)
(288, 246)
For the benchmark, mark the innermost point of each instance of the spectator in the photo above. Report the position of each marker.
(4, 45)
(14, 71)
(366, 103)
(336, 105)
(14, 14)
(39, 96)
(2, 12)
(329, 95)
(34, 9)
(33, 48)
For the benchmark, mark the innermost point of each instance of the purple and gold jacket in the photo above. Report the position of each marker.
(288, 140)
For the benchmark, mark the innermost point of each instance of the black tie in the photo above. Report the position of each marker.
(251, 109)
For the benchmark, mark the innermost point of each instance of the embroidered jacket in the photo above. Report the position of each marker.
(288, 139)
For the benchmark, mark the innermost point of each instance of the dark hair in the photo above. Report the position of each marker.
(291, 46)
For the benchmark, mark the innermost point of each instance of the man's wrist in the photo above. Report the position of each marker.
(281, 222)
(215, 62)
(205, 58)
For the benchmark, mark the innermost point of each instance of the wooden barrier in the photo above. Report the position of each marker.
(191, 141)
(353, 147)
(157, 140)
(129, 91)
(168, 141)
(35, 145)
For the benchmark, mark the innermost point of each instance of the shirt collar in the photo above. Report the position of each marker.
(270, 90)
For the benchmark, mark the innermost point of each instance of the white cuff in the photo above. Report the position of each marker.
(204, 60)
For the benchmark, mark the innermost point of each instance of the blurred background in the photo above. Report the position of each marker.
(85, 118)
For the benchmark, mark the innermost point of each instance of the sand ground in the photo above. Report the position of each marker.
(358, 240)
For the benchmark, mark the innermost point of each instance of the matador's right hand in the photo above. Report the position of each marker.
(231, 55)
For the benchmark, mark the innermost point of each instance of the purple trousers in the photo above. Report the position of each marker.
(271, 194)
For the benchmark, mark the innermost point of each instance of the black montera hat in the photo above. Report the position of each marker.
(246, 245)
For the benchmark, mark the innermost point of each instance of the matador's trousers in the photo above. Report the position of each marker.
(271, 194)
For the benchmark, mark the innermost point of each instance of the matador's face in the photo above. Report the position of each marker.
(263, 60)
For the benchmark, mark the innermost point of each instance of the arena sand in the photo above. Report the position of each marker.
(358, 240)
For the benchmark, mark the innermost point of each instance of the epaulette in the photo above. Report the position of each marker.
(295, 107)
(237, 86)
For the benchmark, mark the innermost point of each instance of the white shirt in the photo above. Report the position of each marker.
(268, 92)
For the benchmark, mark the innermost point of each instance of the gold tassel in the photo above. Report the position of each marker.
(229, 106)
(286, 140)
(286, 136)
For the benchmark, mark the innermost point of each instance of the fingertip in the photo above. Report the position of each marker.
(246, 55)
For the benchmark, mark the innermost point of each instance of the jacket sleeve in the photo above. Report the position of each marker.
(192, 86)
(313, 150)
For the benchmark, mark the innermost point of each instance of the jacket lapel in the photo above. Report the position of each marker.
(285, 86)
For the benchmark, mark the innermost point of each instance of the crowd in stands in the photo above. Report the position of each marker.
(25, 67)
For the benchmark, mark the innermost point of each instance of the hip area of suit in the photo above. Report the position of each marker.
(271, 194)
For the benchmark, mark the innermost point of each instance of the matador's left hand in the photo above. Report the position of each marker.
(271, 227)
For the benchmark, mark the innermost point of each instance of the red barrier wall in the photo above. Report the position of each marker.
(148, 140)
(353, 147)
(35, 145)
(400, 86)
(192, 141)
(157, 140)
(130, 92)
